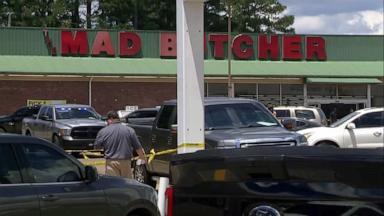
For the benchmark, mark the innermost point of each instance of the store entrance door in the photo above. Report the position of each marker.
(343, 107)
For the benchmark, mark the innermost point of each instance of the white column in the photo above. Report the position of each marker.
(190, 75)
(90, 91)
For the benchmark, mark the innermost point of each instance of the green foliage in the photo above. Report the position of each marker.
(264, 16)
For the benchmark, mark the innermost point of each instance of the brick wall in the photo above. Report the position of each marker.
(105, 95)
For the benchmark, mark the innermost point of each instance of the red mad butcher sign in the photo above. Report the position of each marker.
(244, 46)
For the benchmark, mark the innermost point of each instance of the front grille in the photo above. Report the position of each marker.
(89, 132)
(247, 145)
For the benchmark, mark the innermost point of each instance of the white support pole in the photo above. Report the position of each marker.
(305, 92)
(90, 91)
(163, 184)
(369, 98)
(190, 75)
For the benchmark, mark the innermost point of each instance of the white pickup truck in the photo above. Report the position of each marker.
(70, 126)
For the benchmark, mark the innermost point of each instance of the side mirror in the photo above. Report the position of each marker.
(351, 126)
(46, 118)
(91, 174)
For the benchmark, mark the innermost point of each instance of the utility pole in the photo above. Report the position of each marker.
(10, 18)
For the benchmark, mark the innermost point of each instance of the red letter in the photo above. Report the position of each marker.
(266, 48)
(316, 47)
(168, 44)
(219, 40)
(130, 44)
(292, 47)
(76, 45)
(237, 49)
(102, 43)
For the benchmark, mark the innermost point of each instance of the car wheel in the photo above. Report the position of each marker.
(326, 144)
(2, 130)
(56, 140)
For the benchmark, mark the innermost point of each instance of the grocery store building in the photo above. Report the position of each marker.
(112, 69)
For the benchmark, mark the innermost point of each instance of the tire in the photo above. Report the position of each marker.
(326, 144)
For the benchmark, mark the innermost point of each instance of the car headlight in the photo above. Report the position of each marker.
(307, 135)
(302, 141)
(64, 132)
(226, 144)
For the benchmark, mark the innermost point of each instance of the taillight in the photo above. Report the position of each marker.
(169, 201)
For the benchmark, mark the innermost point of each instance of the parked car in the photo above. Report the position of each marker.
(38, 178)
(360, 129)
(295, 124)
(12, 123)
(229, 123)
(309, 113)
(266, 181)
(70, 126)
(144, 116)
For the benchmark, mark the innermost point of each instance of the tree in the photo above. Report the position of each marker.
(261, 16)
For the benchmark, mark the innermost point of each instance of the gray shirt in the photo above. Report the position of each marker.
(118, 140)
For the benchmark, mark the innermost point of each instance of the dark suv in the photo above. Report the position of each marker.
(12, 123)
(38, 178)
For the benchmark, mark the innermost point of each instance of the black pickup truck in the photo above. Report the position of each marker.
(297, 181)
(12, 123)
(229, 123)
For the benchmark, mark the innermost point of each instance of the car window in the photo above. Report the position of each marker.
(305, 114)
(282, 113)
(165, 117)
(300, 123)
(48, 165)
(143, 114)
(49, 113)
(374, 119)
(9, 171)
(43, 111)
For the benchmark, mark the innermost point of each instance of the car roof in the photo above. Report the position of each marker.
(371, 109)
(296, 107)
(148, 109)
(8, 138)
(68, 105)
(217, 100)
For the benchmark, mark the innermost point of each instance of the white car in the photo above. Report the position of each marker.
(361, 129)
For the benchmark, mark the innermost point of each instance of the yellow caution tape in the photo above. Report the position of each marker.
(151, 155)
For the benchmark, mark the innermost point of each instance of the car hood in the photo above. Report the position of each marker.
(315, 129)
(81, 122)
(255, 134)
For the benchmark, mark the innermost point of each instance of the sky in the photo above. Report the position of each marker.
(336, 16)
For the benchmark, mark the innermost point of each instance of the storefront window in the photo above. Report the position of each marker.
(377, 94)
(269, 94)
(359, 91)
(246, 90)
(217, 89)
(292, 95)
(321, 90)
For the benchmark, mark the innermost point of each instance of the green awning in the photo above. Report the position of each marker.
(94, 66)
(344, 80)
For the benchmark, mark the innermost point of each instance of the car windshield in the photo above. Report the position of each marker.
(344, 119)
(76, 112)
(239, 115)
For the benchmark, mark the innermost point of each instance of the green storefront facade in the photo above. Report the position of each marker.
(110, 69)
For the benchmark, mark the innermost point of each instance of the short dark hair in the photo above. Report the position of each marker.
(112, 115)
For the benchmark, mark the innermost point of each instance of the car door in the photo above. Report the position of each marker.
(37, 124)
(59, 182)
(17, 198)
(47, 124)
(368, 132)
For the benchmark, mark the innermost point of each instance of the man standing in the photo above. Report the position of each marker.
(119, 141)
